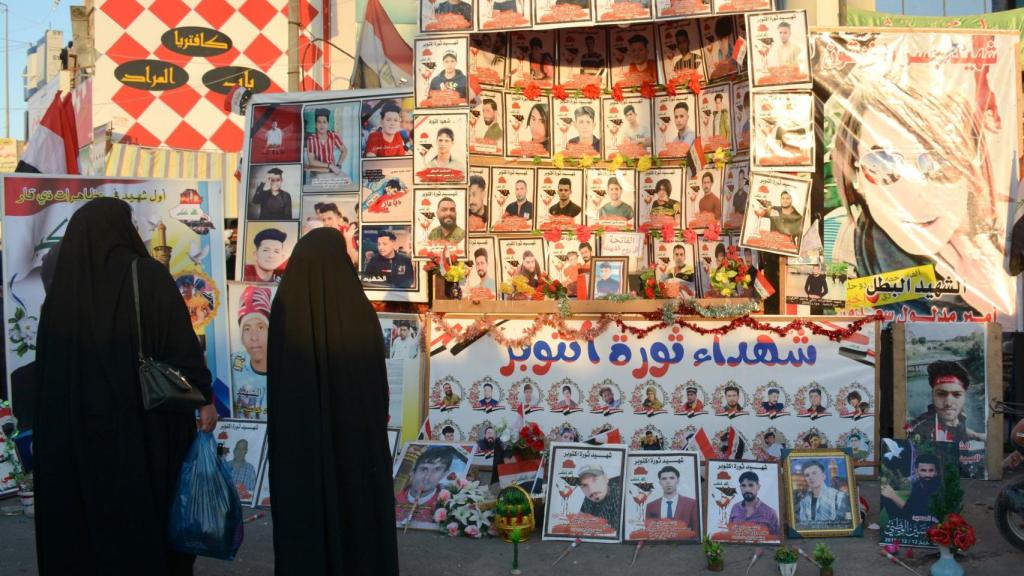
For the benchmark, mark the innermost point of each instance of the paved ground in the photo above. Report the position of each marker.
(430, 554)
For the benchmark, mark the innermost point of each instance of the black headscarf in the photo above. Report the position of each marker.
(105, 469)
(330, 464)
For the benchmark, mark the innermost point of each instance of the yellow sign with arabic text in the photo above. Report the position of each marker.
(897, 286)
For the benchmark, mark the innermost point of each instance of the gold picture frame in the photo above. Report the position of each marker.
(834, 470)
(619, 266)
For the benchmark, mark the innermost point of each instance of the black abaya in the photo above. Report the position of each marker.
(330, 466)
(106, 469)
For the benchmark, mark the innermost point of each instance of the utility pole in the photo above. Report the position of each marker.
(7, 69)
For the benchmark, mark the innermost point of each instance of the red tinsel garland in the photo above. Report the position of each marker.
(485, 326)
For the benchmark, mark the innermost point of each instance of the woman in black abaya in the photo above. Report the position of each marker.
(330, 466)
(105, 468)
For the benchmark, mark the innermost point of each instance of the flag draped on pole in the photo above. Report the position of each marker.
(383, 59)
(53, 145)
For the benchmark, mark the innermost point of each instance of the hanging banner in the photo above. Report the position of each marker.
(1004, 20)
(179, 223)
(744, 395)
(921, 131)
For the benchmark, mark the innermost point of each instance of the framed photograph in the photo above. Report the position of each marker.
(612, 12)
(564, 263)
(627, 127)
(527, 126)
(521, 257)
(482, 282)
(776, 213)
(584, 493)
(741, 115)
(559, 198)
(488, 58)
(267, 247)
(557, 13)
(240, 444)
(250, 305)
(717, 39)
(911, 475)
(440, 222)
(822, 494)
(330, 157)
(675, 265)
(676, 8)
(383, 134)
(734, 195)
(629, 244)
(577, 127)
(512, 199)
(386, 257)
(948, 376)
(716, 125)
(386, 193)
(446, 16)
(676, 118)
(441, 140)
(394, 436)
(704, 198)
(275, 136)
(633, 54)
(420, 473)
(681, 56)
(487, 124)
(726, 6)
(781, 57)
(661, 193)
(268, 195)
(610, 276)
(503, 14)
(441, 65)
(709, 254)
(663, 497)
(783, 132)
(611, 199)
(532, 58)
(479, 198)
(582, 57)
(742, 502)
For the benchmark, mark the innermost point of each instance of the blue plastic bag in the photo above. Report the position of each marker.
(206, 516)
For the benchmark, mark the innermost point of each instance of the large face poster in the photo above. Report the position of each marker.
(249, 326)
(746, 502)
(906, 189)
(585, 492)
(403, 334)
(178, 221)
(240, 445)
(672, 363)
(946, 389)
(911, 475)
(419, 476)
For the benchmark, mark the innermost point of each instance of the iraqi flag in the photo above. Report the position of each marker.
(612, 436)
(734, 446)
(53, 145)
(383, 59)
(696, 157)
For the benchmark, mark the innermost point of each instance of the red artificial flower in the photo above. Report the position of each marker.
(592, 91)
(617, 94)
(713, 232)
(474, 84)
(668, 232)
(938, 535)
(583, 233)
(559, 91)
(954, 520)
(649, 293)
(531, 91)
(732, 251)
(670, 88)
(647, 89)
(690, 236)
(553, 235)
(960, 541)
(694, 82)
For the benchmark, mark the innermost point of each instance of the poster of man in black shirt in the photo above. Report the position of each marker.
(386, 261)
(270, 200)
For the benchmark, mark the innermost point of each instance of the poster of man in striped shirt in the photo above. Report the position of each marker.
(331, 151)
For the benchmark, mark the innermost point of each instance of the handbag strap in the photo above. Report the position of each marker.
(138, 313)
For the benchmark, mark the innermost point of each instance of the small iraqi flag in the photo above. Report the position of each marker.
(53, 145)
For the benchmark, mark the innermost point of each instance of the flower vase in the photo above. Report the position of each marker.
(946, 565)
(787, 569)
(28, 503)
(716, 565)
(452, 290)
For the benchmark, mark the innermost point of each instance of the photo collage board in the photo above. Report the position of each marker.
(562, 158)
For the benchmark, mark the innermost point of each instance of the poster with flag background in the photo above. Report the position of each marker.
(178, 220)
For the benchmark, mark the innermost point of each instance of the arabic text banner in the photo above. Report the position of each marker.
(179, 221)
(743, 395)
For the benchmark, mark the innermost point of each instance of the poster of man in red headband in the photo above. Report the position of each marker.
(250, 324)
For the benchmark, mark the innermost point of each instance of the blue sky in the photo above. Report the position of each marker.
(29, 21)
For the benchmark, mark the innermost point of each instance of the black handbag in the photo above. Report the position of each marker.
(163, 386)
